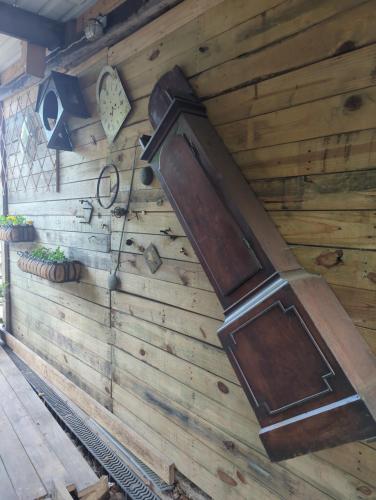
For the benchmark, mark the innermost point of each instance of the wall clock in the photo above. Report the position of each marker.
(113, 103)
(297, 355)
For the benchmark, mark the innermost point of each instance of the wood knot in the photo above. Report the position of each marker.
(229, 445)
(203, 332)
(142, 352)
(354, 102)
(330, 259)
(226, 478)
(154, 55)
(223, 387)
(364, 489)
(203, 49)
(372, 277)
(241, 477)
(347, 46)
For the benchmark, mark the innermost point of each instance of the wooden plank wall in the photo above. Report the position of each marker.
(290, 86)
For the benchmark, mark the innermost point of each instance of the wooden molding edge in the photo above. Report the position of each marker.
(126, 436)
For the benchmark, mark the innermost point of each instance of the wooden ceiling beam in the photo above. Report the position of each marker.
(38, 30)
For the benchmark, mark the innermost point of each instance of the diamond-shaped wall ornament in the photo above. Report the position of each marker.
(58, 97)
(152, 258)
(113, 103)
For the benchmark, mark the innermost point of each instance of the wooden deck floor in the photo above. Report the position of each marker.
(37, 458)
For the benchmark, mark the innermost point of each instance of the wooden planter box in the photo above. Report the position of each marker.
(58, 272)
(17, 233)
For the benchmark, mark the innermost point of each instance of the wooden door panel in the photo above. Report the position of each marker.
(216, 236)
(280, 359)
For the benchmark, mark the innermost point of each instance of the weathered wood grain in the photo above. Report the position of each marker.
(205, 44)
(322, 40)
(57, 295)
(179, 440)
(340, 267)
(14, 459)
(229, 394)
(92, 293)
(344, 73)
(191, 299)
(339, 191)
(198, 353)
(189, 274)
(136, 243)
(334, 153)
(89, 350)
(180, 320)
(334, 115)
(81, 374)
(72, 318)
(346, 229)
(360, 305)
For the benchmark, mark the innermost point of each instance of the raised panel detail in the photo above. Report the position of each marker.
(279, 359)
(215, 234)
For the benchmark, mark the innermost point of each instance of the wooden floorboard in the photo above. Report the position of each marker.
(35, 452)
(20, 470)
(5, 483)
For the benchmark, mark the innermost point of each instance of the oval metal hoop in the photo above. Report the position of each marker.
(104, 170)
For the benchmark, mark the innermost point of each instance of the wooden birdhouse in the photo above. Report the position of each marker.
(59, 96)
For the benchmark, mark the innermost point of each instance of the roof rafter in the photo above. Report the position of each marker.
(33, 28)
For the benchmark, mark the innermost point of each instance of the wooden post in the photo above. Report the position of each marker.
(5, 245)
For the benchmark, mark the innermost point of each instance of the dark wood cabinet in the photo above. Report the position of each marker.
(305, 370)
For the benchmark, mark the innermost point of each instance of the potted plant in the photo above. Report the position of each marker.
(51, 265)
(16, 228)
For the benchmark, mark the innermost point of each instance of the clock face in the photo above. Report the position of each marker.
(113, 103)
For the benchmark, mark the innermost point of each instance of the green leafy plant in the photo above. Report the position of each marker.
(3, 287)
(14, 220)
(47, 254)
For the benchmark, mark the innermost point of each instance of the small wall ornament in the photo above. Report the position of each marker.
(58, 97)
(152, 258)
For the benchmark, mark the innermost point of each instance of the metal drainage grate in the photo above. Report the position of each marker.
(138, 464)
(127, 480)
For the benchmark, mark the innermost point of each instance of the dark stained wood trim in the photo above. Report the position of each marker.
(39, 30)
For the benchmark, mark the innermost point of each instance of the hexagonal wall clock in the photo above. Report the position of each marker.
(113, 103)
(58, 97)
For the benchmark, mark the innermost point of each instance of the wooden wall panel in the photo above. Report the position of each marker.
(290, 86)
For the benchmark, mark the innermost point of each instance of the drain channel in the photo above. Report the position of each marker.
(127, 480)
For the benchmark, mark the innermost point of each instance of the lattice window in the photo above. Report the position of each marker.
(27, 164)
